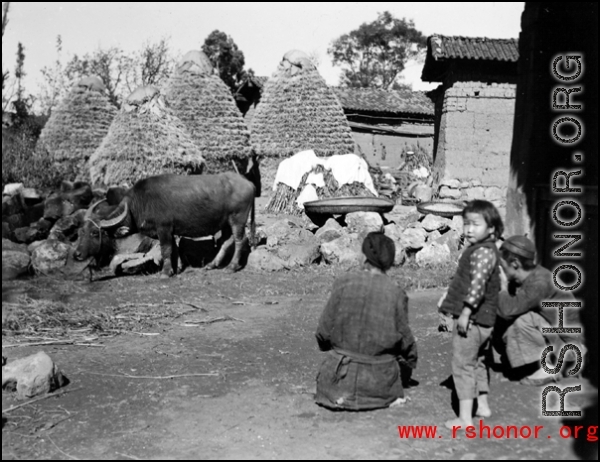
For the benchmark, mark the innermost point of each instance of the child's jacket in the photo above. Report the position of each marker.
(485, 314)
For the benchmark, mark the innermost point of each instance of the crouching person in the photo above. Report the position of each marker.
(522, 316)
(364, 328)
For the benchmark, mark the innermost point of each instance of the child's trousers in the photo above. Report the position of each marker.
(469, 370)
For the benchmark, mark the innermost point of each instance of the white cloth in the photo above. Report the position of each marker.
(350, 168)
(291, 170)
(316, 179)
(346, 169)
(309, 193)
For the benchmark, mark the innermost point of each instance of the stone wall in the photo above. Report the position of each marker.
(475, 132)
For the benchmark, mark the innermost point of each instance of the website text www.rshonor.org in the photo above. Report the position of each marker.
(499, 432)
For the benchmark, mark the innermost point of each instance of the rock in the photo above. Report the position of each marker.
(50, 256)
(65, 229)
(262, 259)
(299, 254)
(465, 184)
(450, 193)
(451, 183)
(284, 231)
(329, 235)
(32, 376)
(34, 245)
(413, 238)
(393, 231)
(260, 236)
(402, 214)
(457, 223)
(137, 243)
(5, 231)
(476, 182)
(13, 189)
(15, 260)
(494, 194)
(33, 214)
(80, 197)
(138, 263)
(31, 196)
(434, 254)
(451, 239)
(28, 235)
(363, 223)
(329, 231)
(329, 224)
(433, 236)
(475, 193)
(344, 250)
(423, 193)
(15, 221)
(54, 208)
(12, 205)
(435, 223)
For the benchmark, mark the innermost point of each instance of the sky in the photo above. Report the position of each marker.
(263, 31)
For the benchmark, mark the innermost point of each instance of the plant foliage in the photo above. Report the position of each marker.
(376, 53)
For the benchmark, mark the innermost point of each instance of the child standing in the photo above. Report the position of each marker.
(472, 301)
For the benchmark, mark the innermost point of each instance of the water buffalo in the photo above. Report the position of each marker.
(165, 206)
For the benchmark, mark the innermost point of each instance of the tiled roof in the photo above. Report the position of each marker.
(372, 100)
(443, 47)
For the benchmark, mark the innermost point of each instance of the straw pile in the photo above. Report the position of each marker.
(145, 139)
(77, 127)
(285, 197)
(297, 112)
(203, 102)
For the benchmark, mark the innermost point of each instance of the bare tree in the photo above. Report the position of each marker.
(152, 65)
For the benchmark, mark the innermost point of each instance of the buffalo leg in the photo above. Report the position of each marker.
(221, 255)
(168, 250)
(238, 236)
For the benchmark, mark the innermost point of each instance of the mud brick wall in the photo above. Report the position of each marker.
(475, 132)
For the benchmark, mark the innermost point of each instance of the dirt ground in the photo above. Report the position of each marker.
(242, 350)
(257, 402)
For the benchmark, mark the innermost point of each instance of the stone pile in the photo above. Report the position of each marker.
(471, 190)
(429, 240)
(39, 234)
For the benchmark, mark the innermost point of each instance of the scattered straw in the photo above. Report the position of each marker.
(41, 398)
(168, 377)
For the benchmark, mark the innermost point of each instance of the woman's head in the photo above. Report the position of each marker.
(482, 221)
(379, 250)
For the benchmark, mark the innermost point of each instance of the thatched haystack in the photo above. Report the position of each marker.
(77, 127)
(305, 177)
(297, 112)
(145, 139)
(204, 103)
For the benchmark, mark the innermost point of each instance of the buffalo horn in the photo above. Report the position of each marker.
(117, 220)
(90, 210)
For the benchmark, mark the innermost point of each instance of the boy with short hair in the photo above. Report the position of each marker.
(523, 313)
